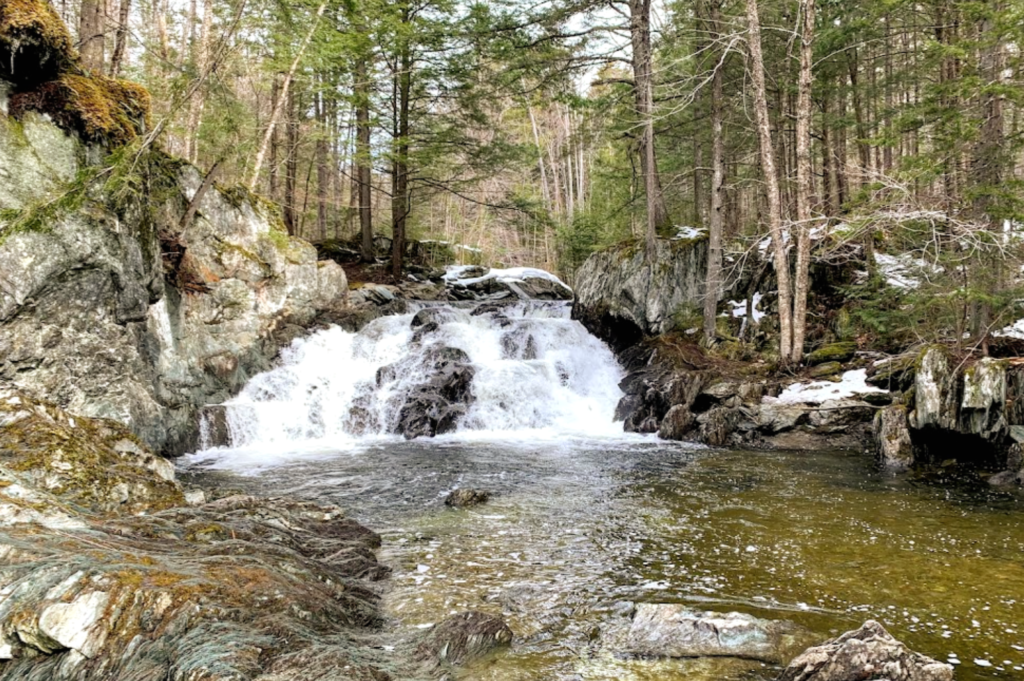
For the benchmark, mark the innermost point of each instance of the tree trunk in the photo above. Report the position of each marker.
(643, 88)
(92, 34)
(363, 161)
(322, 176)
(400, 179)
(804, 181)
(292, 164)
(195, 107)
(771, 180)
(713, 285)
(275, 140)
(121, 39)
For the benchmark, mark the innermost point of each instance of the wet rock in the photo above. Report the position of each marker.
(213, 426)
(833, 415)
(722, 390)
(673, 630)
(539, 288)
(717, 424)
(463, 638)
(464, 498)
(835, 352)
(866, 653)
(678, 422)
(892, 437)
(1014, 473)
(435, 405)
(436, 315)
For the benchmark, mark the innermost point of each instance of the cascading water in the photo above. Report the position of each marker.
(508, 371)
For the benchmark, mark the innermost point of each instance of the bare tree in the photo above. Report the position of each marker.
(804, 181)
(713, 283)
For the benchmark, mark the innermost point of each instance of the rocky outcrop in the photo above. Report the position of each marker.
(892, 434)
(866, 653)
(672, 630)
(118, 304)
(622, 296)
(107, 573)
(465, 498)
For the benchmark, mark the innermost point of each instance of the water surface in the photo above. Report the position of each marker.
(579, 529)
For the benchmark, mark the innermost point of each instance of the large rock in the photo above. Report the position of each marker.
(936, 396)
(983, 407)
(673, 630)
(867, 653)
(113, 308)
(621, 295)
(892, 436)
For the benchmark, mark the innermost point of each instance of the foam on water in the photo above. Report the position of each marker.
(538, 376)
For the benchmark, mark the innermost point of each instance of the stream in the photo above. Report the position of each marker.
(585, 521)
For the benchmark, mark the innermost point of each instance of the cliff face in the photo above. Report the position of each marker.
(621, 297)
(113, 306)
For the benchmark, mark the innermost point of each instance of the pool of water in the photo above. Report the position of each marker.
(578, 530)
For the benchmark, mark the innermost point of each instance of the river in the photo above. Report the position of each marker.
(586, 521)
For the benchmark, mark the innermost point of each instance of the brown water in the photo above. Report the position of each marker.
(578, 531)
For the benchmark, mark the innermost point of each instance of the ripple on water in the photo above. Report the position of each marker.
(578, 530)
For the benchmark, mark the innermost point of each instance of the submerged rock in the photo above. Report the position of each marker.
(673, 630)
(464, 498)
(463, 638)
(866, 653)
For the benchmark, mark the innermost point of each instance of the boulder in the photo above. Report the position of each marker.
(834, 352)
(892, 437)
(826, 369)
(620, 291)
(464, 498)
(936, 394)
(463, 638)
(775, 417)
(983, 406)
(677, 423)
(866, 653)
(673, 630)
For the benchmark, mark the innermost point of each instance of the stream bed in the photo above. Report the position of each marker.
(578, 529)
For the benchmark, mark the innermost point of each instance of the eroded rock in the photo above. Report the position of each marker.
(866, 653)
(892, 436)
(464, 498)
(673, 630)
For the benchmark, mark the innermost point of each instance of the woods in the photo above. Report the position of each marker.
(888, 135)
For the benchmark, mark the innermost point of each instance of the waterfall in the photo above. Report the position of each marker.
(523, 370)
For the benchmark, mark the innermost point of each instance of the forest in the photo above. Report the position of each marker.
(882, 133)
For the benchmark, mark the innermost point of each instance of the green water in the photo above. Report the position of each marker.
(578, 531)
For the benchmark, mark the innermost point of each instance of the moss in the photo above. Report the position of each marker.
(35, 45)
(99, 109)
(836, 352)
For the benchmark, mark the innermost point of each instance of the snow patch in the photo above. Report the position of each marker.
(739, 309)
(684, 232)
(851, 384)
(513, 274)
(1015, 330)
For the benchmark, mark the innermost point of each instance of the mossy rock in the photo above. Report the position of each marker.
(35, 46)
(826, 369)
(835, 352)
(99, 109)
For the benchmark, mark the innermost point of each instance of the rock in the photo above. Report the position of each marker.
(832, 415)
(983, 407)
(892, 373)
(892, 437)
(620, 287)
(540, 288)
(722, 390)
(463, 638)
(936, 397)
(677, 423)
(773, 417)
(866, 653)
(717, 424)
(835, 352)
(98, 465)
(431, 406)
(214, 430)
(673, 630)
(116, 310)
(464, 498)
(826, 369)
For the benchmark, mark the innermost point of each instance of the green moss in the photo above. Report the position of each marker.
(36, 42)
(99, 109)
(835, 352)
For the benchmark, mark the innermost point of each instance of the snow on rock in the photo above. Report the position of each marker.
(739, 309)
(512, 274)
(902, 271)
(852, 383)
(684, 232)
(457, 272)
(1015, 330)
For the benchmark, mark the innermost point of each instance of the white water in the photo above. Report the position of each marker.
(538, 376)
